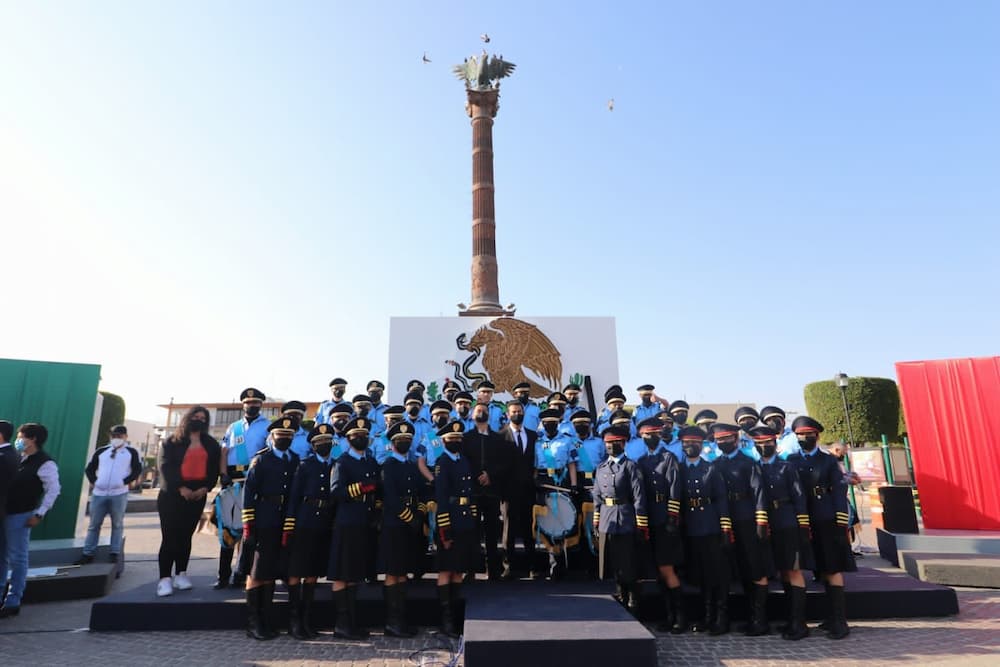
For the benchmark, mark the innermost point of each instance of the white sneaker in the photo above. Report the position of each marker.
(181, 582)
(163, 588)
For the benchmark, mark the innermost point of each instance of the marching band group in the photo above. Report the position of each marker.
(637, 495)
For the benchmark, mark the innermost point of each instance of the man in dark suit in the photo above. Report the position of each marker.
(490, 458)
(520, 492)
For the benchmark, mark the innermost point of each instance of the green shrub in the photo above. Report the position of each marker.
(874, 404)
(112, 414)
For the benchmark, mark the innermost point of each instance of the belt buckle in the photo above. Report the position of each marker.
(240, 468)
(609, 501)
(463, 501)
(551, 472)
(588, 475)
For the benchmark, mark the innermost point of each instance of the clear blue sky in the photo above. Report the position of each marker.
(202, 196)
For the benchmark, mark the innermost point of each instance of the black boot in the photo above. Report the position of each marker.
(225, 568)
(758, 612)
(828, 621)
(721, 624)
(305, 613)
(708, 613)
(456, 602)
(796, 628)
(448, 627)
(255, 624)
(295, 612)
(669, 612)
(838, 613)
(266, 604)
(343, 629)
(787, 587)
(352, 610)
(395, 613)
(680, 617)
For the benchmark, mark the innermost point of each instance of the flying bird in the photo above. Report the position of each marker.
(425, 58)
(611, 104)
(485, 38)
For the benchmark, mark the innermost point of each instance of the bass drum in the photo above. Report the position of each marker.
(557, 520)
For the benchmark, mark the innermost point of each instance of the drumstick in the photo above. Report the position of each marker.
(553, 487)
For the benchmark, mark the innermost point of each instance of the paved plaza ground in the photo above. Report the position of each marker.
(56, 634)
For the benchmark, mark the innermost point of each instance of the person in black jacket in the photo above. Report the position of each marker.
(520, 492)
(189, 469)
(490, 459)
(10, 460)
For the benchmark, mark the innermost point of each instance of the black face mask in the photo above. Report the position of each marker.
(282, 444)
(667, 433)
(647, 401)
(524, 399)
(692, 451)
(517, 419)
(359, 443)
(776, 424)
(323, 449)
(252, 411)
(450, 396)
(583, 431)
(363, 412)
(746, 425)
(551, 429)
(808, 443)
(375, 396)
(440, 421)
(338, 393)
(651, 440)
(401, 446)
(414, 410)
(463, 411)
(767, 451)
(482, 417)
(727, 448)
(196, 426)
(453, 446)
(339, 425)
(614, 448)
(680, 417)
(573, 401)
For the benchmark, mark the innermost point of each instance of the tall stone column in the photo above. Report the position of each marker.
(482, 107)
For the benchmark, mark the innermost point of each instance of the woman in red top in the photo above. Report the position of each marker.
(189, 469)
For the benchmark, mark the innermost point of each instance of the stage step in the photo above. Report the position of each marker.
(974, 570)
(938, 541)
(535, 623)
(70, 582)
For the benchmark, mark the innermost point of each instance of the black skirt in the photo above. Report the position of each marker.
(400, 549)
(622, 556)
(270, 561)
(791, 550)
(350, 553)
(831, 547)
(749, 554)
(310, 552)
(463, 556)
(668, 548)
(707, 562)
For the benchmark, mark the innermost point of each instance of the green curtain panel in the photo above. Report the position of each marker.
(62, 397)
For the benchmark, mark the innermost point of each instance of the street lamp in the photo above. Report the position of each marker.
(842, 381)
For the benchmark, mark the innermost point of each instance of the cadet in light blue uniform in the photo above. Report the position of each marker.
(418, 387)
(413, 405)
(431, 446)
(746, 418)
(376, 412)
(648, 405)
(554, 465)
(588, 451)
(679, 411)
(340, 415)
(484, 395)
(557, 401)
(463, 410)
(616, 403)
(380, 448)
(572, 394)
(300, 441)
(522, 393)
(667, 435)
(704, 420)
(788, 443)
(338, 386)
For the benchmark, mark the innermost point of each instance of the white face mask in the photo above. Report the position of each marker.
(117, 442)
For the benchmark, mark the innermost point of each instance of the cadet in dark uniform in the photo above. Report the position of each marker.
(355, 488)
(748, 511)
(307, 529)
(709, 532)
(620, 515)
(404, 496)
(664, 489)
(826, 496)
(265, 495)
(790, 535)
(457, 537)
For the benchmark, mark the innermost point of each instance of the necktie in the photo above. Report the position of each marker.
(520, 442)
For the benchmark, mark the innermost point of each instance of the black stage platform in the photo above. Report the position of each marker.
(70, 582)
(870, 594)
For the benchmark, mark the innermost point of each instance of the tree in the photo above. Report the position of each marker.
(874, 404)
(112, 414)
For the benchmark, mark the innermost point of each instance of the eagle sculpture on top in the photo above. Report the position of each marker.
(484, 72)
(509, 347)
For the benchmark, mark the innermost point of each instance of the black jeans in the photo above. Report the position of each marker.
(518, 525)
(489, 517)
(178, 520)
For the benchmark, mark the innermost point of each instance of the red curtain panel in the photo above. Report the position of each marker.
(952, 409)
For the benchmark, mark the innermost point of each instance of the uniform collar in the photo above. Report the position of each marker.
(255, 419)
(399, 457)
(355, 454)
(616, 459)
(733, 454)
(690, 464)
(278, 453)
(769, 461)
(812, 453)
(324, 461)
(453, 457)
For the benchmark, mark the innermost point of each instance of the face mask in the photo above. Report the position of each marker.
(775, 423)
(808, 443)
(463, 411)
(116, 442)
(583, 431)
(767, 451)
(482, 417)
(574, 400)
(360, 443)
(363, 412)
(338, 393)
(339, 425)
(523, 399)
(282, 444)
(727, 447)
(651, 440)
(551, 430)
(375, 396)
(692, 451)
(402, 446)
(614, 448)
(413, 410)
(450, 396)
(517, 419)
(252, 411)
(196, 426)
(647, 401)
(453, 446)
(667, 433)
(19, 444)
(323, 449)
(440, 421)
(680, 417)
